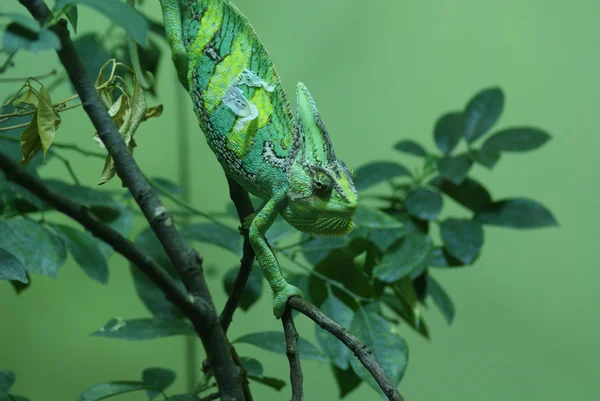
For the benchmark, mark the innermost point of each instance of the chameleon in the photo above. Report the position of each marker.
(288, 162)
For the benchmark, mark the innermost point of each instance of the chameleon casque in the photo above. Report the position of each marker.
(244, 113)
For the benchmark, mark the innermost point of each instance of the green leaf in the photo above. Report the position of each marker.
(19, 287)
(424, 204)
(157, 378)
(402, 258)
(374, 173)
(318, 248)
(86, 252)
(484, 158)
(279, 230)
(26, 34)
(39, 135)
(482, 112)
(18, 200)
(469, 193)
(448, 131)
(12, 397)
(215, 234)
(105, 390)
(120, 13)
(441, 299)
(19, 236)
(454, 168)
(253, 287)
(144, 329)
(462, 238)
(516, 213)
(384, 237)
(93, 54)
(410, 147)
(73, 16)
(165, 184)
(440, 257)
(100, 202)
(405, 307)
(183, 397)
(384, 341)
(7, 380)
(11, 267)
(272, 382)
(274, 341)
(254, 371)
(367, 216)
(25, 21)
(519, 139)
(346, 380)
(335, 350)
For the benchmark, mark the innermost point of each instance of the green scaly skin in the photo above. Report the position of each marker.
(244, 113)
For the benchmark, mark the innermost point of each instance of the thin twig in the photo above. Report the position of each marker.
(60, 145)
(359, 349)
(8, 62)
(20, 79)
(200, 309)
(243, 374)
(67, 164)
(291, 350)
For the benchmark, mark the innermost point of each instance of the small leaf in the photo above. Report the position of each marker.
(274, 341)
(424, 204)
(482, 112)
(367, 216)
(318, 248)
(120, 13)
(92, 53)
(144, 329)
(105, 390)
(470, 193)
(28, 98)
(86, 252)
(462, 238)
(454, 168)
(401, 259)
(441, 299)
(254, 371)
(11, 267)
(448, 131)
(484, 158)
(253, 287)
(272, 382)
(19, 287)
(215, 234)
(335, 350)
(440, 257)
(7, 380)
(17, 237)
(516, 213)
(157, 378)
(520, 139)
(346, 380)
(73, 16)
(411, 147)
(386, 345)
(374, 173)
(402, 308)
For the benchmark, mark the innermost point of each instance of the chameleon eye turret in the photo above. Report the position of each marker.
(246, 118)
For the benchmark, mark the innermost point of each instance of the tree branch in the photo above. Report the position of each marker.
(291, 350)
(349, 340)
(186, 261)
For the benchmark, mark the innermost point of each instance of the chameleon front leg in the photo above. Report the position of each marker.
(282, 291)
(174, 31)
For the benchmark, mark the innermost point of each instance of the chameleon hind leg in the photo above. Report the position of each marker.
(282, 291)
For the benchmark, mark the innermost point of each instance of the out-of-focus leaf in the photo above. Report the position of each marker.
(403, 309)
(215, 234)
(254, 371)
(73, 16)
(120, 13)
(448, 131)
(19, 287)
(441, 299)
(7, 380)
(384, 341)
(318, 248)
(462, 238)
(373, 173)
(92, 52)
(158, 379)
(86, 252)
(482, 112)
(337, 352)
(454, 168)
(167, 185)
(519, 139)
(367, 216)
(439, 257)
(346, 380)
(274, 341)
(253, 287)
(105, 390)
(424, 204)
(410, 147)
(279, 230)
(470, 193)
(99, 202)
(21, 36)
(183, 397)
(11, 267)
(402, 258)
(516, 213)
(18, 200)
(484, 158)
(48, 252)
(144, 329)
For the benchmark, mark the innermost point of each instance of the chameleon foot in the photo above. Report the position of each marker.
(280, 299)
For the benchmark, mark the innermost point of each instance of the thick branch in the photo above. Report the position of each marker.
(187, 262)
(291, 350)
(244, 208)
(354, 344)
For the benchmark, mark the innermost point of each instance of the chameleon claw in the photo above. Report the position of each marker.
(280, 299)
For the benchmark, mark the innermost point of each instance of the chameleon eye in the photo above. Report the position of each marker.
(321, 184)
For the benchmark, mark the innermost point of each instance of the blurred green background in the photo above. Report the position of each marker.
(527, 312)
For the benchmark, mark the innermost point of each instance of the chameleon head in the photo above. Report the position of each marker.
(321, 193)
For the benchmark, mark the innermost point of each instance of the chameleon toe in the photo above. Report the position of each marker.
(280, 299)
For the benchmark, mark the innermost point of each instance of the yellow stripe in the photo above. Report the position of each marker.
(209, 24)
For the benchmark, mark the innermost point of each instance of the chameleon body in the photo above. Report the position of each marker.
(243, 110)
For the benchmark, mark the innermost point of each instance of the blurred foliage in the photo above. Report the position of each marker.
(373, 281)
